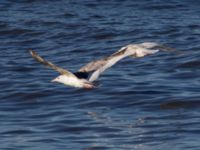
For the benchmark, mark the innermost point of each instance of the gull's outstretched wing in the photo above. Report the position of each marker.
(51, 65)
(113, 59)
(133, 50)
(95, 65)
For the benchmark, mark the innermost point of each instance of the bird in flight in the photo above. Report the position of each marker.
(86, 75)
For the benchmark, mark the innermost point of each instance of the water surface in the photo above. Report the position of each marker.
(149, 103)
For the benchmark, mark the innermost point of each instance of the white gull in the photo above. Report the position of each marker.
(86, 75)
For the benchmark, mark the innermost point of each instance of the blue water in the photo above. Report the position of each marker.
(150, 103)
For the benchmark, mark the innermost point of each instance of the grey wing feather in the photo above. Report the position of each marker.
(94, 65)
(108, 62)
(49, 64)
(167, 49)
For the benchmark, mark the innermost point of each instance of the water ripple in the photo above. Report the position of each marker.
(146, 103)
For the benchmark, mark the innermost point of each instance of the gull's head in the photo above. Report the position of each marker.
(60, 79)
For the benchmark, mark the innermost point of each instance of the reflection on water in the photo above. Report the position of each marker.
(190, 104)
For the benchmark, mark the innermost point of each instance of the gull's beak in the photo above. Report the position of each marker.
(54, 80)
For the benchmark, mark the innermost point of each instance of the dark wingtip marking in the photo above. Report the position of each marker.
(81, 75)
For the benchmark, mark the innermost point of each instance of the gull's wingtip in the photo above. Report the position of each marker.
(170, 49)
(31, 51)
(154, 51)
(166, 48)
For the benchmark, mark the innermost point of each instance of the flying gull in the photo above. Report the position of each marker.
(85, 76)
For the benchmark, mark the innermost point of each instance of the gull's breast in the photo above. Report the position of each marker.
(74, 82)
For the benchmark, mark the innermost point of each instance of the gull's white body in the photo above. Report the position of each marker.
(72, 81)
(99, 66)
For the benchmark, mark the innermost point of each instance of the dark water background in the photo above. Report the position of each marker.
(151, 103)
